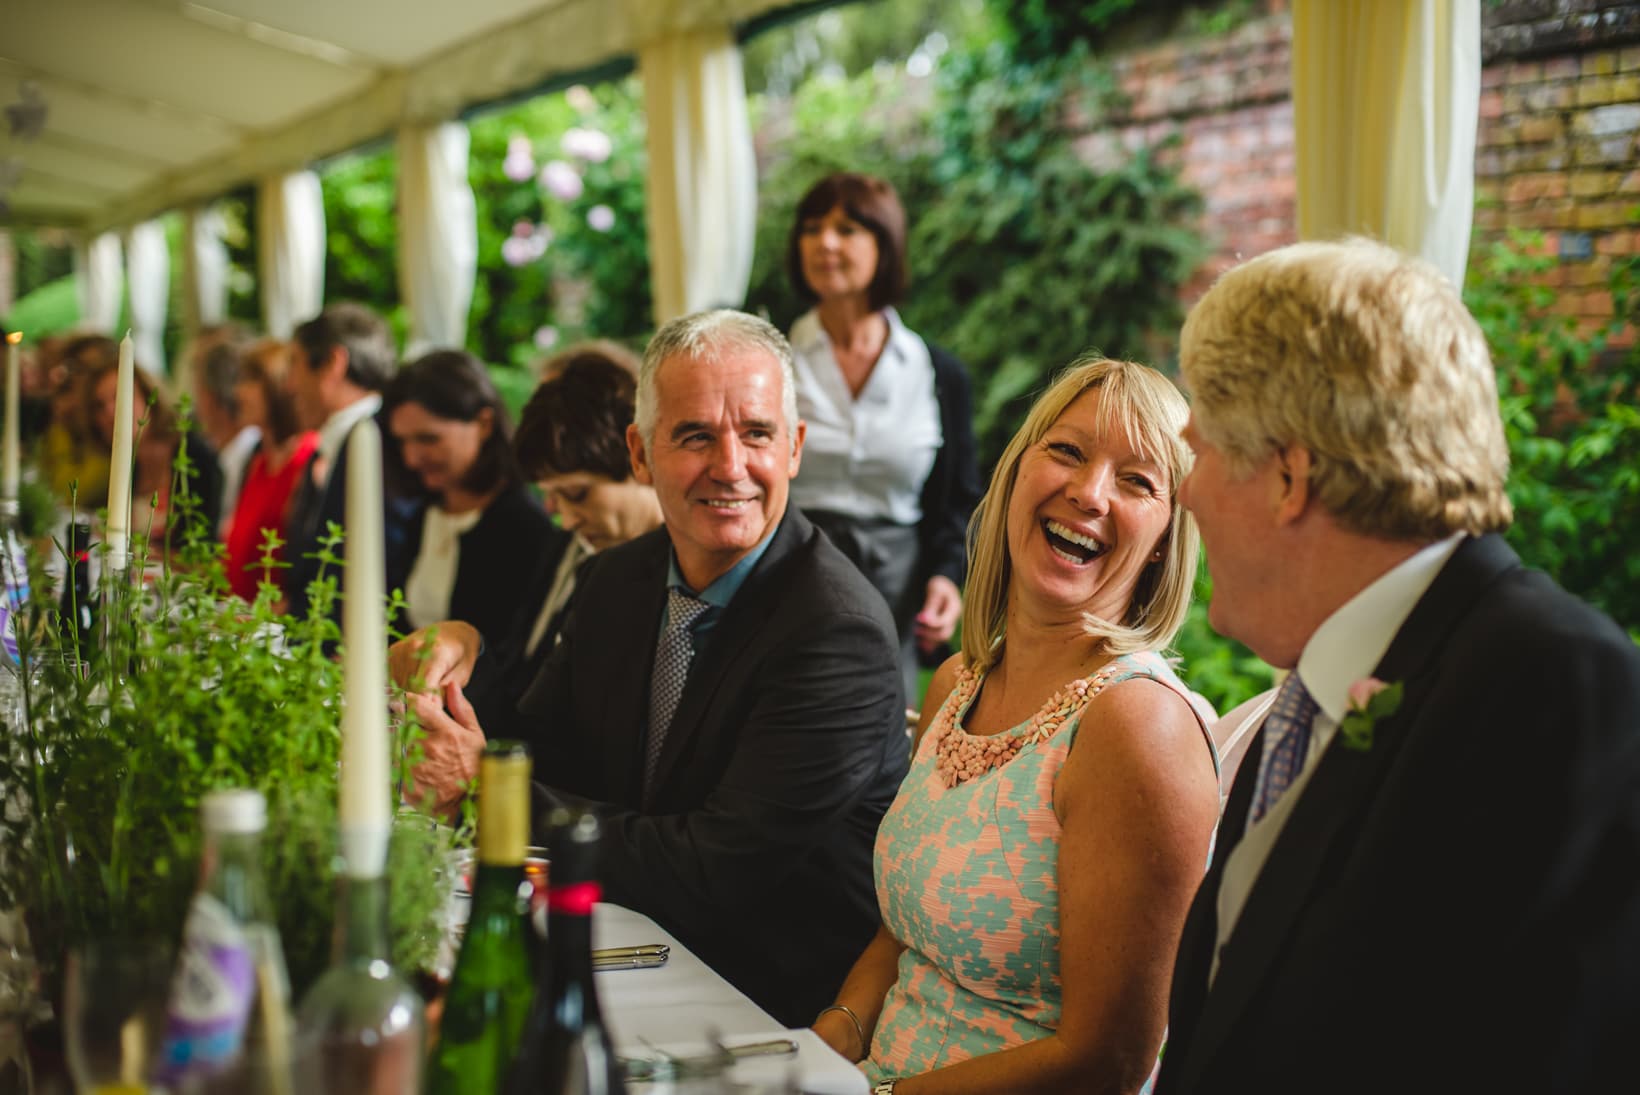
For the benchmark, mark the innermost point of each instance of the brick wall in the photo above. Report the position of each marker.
(1558, 147)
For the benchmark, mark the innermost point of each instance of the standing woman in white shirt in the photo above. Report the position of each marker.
(888, 462)
(482, 533)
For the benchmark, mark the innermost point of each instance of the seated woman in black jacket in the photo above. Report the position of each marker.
(483, 536)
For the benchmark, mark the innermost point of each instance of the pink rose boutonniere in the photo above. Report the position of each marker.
(1370, 700)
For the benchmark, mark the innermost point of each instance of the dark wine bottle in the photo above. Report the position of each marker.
(565, 1048)
(77, 603)
(489, 994)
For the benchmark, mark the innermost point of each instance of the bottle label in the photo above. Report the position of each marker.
(211, 992)
(575, 899)
(15, 595)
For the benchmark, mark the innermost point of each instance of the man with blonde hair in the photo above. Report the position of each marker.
(1428, 871)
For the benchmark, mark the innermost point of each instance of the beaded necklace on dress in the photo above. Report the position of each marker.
(961, 756)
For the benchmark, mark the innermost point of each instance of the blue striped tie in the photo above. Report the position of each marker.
(1286, 743)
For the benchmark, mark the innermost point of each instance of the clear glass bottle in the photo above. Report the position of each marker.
(227, 1024)
(565, 1048)
(361, 1027)
(490, 991)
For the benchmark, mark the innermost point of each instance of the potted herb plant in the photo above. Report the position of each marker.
(183, 690)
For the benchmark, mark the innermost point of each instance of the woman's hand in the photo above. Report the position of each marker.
(451, 746)
(942, 607)
(430, 657)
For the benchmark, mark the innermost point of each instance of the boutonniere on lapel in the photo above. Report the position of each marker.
(1370, 700)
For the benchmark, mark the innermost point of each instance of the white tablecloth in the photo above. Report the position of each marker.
(680, 1003)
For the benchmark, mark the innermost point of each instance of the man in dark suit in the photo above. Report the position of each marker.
(726, 692)
(1437, 887)
(340, 361)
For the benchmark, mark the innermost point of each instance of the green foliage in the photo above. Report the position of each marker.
(51, 308)
(1022, 256)
(187, 689)
(1572, 422)
(362, 233)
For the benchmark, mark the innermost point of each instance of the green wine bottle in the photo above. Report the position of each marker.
(490, 991)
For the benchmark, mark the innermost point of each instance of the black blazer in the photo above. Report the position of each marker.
(313, 509)
(504, 671)
(499, 556)
(953, 486)
(787, 747)
(1458, 907)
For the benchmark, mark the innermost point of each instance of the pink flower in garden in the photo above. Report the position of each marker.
(520, 162)
(546, 338)
(517, 250)
(562, 181)
(581, 99)
(590, 145)
(1363, 690)
(523, 229)
(600, 218)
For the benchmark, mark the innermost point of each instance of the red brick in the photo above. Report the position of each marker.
(1525, 72)
(1560, 68)
(1491, 104)
(1616, 243)
(1494, 76)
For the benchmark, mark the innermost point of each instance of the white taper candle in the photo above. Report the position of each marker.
(9, 452)
(365, 809)
(119, 472)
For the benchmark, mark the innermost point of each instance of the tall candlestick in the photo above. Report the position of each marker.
(364, 810)
(119, 473)
(8, 448)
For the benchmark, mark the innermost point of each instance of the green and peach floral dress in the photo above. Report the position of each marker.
(967, 866)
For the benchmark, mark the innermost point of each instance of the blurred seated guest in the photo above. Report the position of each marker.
(890, 473)
(155, 446)
(724, 695)
(571, 440)
(340, 360)
(1034, 872)
(72, 459)
(214, 371)
(277, 466)
(482, 533)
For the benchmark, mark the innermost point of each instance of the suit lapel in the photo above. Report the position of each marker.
(1338, 792)
(742, 621)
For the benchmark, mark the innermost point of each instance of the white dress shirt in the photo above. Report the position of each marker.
(336, 428)
(433, 576)
(1346, 648)
(866, 456)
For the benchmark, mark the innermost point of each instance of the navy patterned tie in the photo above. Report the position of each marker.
(1286, 743)
(672, 657)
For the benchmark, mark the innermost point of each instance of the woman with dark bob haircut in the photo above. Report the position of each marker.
(482, 534)
(888, 461)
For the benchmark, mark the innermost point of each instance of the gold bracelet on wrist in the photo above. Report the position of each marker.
(859, 1027)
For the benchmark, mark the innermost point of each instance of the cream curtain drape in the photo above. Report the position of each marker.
(1386, 97)
(204, 269)
(290, 224)
(98, 282)
(702, 176)
(438, 235)
(148, 282)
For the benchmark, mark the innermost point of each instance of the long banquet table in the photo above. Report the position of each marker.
(680, 1003)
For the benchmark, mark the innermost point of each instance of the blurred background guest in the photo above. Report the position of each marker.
(213, 383)
(340, 360)
(572, 441)
(481, 531)
(266, 409)
(1035, 869)
(72, 458)
(888, 464)
(157, 441)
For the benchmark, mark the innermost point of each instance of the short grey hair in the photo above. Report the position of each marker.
(702, 334)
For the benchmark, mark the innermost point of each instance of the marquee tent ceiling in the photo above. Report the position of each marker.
(153, 104)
